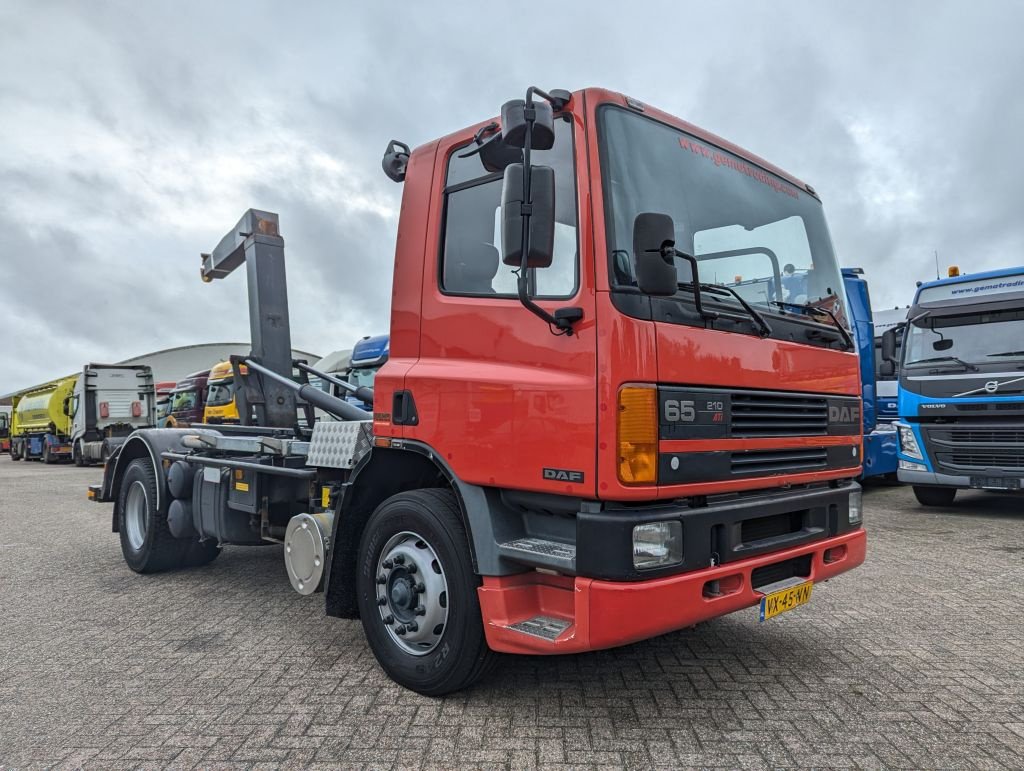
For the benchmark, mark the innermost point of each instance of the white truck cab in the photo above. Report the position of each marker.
(109, 402)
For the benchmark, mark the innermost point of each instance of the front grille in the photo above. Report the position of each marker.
(778, 461)
(780, 571)
(778, 414)
(762, 528)
(1009, 458)
(976, 448)
(983, 436)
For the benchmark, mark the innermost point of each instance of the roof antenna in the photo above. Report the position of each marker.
(936, 264)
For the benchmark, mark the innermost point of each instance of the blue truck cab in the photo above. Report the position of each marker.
(368, 356)
(879, 436)
(961, 385)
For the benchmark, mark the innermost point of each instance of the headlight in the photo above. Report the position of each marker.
(909, 465)
(908, 443)
(856, 515)
(657, 544)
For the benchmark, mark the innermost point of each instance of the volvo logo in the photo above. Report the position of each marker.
(992, 386)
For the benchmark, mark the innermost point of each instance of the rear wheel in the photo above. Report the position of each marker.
(417, 594)
(934, 496)
(146, 542)
(46, 453)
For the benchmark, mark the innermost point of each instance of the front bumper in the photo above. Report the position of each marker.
(934, 479)
(600, 614)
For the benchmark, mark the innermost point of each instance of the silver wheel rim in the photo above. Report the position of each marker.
(412, 593)
(135, 506)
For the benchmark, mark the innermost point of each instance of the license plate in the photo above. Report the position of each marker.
(995, 483)
(785, 599)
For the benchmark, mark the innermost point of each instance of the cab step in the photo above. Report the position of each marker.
(542, 553)
(545, 627)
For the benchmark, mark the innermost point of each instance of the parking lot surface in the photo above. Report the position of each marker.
(913, 661)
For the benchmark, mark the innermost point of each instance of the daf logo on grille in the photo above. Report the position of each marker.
(843, 414)
(992, 386)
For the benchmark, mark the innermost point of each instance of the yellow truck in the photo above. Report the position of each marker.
(221, 404)
(41, 422)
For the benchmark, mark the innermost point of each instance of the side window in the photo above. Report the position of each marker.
(471, 251)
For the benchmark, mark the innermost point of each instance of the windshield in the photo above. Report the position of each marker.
(363, 376)
(183, 400)
(947, 339)
(221, 393)
(749, 229)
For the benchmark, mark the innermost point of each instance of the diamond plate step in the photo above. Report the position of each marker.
(540, 552)
(545, 627)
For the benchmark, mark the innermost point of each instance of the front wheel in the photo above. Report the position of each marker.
(934, 496)
(417, 594)
(76, 454)
(46, 453)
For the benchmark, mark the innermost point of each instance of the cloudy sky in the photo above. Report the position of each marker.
(133, 135)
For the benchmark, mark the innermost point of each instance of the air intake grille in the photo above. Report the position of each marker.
(762, 528)
(778, 414)
(983, 436)
(779, 461)
(978, 459)
(780, 571)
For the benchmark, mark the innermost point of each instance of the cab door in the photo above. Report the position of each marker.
(503, 398)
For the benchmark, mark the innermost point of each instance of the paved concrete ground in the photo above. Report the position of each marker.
(914, 661)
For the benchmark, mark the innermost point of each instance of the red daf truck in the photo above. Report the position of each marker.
(602, 418)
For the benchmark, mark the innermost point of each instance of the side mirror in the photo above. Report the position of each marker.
(889, 345)
(654, 240)
(496, 154)
(67, 406)
(542, 216)
(514, 123)
(887, 368)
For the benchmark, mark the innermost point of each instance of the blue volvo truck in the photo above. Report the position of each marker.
(961, 385)
(879, 436)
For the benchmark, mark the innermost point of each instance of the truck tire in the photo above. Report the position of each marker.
(423, 622)
(934, 496)
(76, 454)
(146, 542)
(15, 454)
(46, 454)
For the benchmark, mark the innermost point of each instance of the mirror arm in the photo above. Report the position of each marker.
(669, 252)
(526, 210)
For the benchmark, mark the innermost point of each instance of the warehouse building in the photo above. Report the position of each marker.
(173, 364)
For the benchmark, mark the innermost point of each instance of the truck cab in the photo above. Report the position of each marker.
(961, 385)
(879, 436)
(109, 402)
(5, 430)
(368, 355)
(188, 399)
(221, 405)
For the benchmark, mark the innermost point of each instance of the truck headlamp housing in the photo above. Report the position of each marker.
(856, 511)
(657, 544)
(908, 442)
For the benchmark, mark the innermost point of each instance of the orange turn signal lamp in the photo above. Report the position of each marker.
(637, 437)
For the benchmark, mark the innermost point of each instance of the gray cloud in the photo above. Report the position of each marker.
(133, 135)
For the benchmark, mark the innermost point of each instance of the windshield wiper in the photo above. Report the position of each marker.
(718, 289)
(935, 359)
(847, 340)
(1007, 353)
